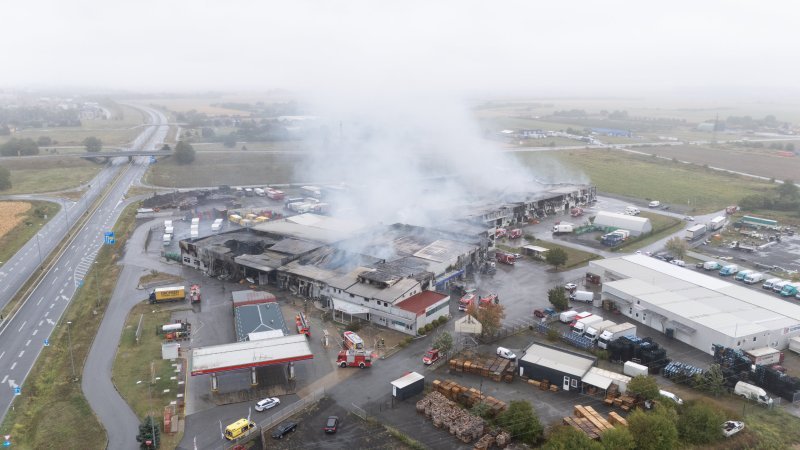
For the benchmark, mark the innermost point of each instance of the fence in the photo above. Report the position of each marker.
(289, 411)
(519, 325)
(359, 411)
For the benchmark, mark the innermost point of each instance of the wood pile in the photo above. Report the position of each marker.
(611, 393)
(502, 439)
(484, 443)
(447, 414)
(625, 402)
(590, 422)
(496, 369)
(468, 397)
(544, 385)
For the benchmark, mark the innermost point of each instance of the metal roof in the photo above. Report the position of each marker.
(694, 298)
(443, 250)
(407, 379)
(603, 378)
(242, 355)
(260, 317)
(624, 221)
(559, 360)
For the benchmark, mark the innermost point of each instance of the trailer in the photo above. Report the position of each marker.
(563, 228)
(716, 223)
(794, 344)
(168, 294)
(695, 232)
(632, 369)
(613, 333)
(764, 356)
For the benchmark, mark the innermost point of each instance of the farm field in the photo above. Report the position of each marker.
(616, 172)
(34, 175)
(251, 147)
(763, 162)
(19, 221)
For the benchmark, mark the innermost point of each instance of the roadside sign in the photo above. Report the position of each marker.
(46, 342)
(80, 283)
(17, 390)
(108, 238)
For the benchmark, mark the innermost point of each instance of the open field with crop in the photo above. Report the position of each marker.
(199, 104)
(51, 412)
(251, 146)
(763, 162)
(20, 221)
(111, 132)
(213, 169)
(33, 175)
(139, 373)
(617, 172)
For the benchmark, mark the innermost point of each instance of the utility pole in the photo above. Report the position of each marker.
(71, 357)
(39, 249)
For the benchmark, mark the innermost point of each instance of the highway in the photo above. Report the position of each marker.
(22, 335)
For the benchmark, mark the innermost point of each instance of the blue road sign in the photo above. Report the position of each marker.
(17, 390)
(46, 342)
(108, 238)
(80, 283)
(7, 444)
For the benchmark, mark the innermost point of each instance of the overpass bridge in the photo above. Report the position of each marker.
(103, 157)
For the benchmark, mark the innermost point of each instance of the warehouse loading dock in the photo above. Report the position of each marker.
(248, 355)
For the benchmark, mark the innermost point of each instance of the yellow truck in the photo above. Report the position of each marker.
(238, 429)
(168, 294)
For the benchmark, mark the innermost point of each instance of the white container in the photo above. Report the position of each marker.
(632, 369)
(196, 221)
(167, 224)
(567, 316)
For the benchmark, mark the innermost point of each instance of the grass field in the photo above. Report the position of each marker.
(575, 257)
(51, 412)
(213, 169)
(138, 365)
(617, 172)
(33, 175)
(251, 146)
(18, 226)
(111, 132)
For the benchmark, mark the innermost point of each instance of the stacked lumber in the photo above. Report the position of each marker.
(468, 397)
(591, 423)
(616, 419)
(447, 414)
(625, 402)
(484, 443)
(611, 393)
(497, 369)
(502, 439)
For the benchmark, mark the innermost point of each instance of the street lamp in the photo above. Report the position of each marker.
(71, 357)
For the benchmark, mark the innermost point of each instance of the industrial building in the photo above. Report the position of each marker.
(694, 308)
(636, 225)
(558, 366)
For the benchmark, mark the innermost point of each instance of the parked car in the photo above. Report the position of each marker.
(284, 429)
(671, 396)
(678, 262)
(539, 313)
(570, 286)
(506, 353)
(267, 403)
(332, 425)
(689, 219)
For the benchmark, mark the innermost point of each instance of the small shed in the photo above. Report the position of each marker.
(534, 251)
(408, 385)
(558, 366)
(169, 350)
(636, 225)
(602, 379)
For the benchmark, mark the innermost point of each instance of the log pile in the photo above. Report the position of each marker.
(447, 414)
(468, 397)
(484, 443)
(590, 422)
(502, 439)
(496, 369)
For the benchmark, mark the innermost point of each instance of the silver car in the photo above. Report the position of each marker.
(267, 403)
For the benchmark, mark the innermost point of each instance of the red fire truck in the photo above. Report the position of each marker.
(194, 293)
(352, 341)
(303, 327)
(505, 258)
(500, 233)
(516, 233)
(354, 358)
(465, 301)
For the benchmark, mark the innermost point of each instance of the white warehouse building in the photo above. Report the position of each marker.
(636, 225)
(694, 308)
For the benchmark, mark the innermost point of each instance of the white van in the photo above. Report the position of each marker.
(195, 221)
(671, 396)
(567, 316)
(167, 224)
(752, 392)
(632, 211)
(506, 353)
(582, 296)
(654, 204)
(259, 192)
(771, 282)
(167, 238)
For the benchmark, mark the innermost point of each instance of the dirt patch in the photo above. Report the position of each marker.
(11, 215)
(353, 431)
(155, 277)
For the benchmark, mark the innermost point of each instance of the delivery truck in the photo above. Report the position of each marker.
(581, 325)
(740, 276)
(593, 331)
(752, 392)
(716, 223)
(790, 290)
(168, 294)
(711, 265)
(729, 270)
(695, 232)
(613, 333)
(563, 228)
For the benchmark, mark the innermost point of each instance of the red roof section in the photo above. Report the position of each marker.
(419, 302)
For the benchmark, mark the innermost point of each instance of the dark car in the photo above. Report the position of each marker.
(332, 425)
(539, 313)
(283, 429)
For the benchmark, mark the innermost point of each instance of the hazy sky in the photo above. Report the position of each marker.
(556, 46)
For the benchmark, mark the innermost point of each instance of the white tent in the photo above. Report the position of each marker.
(636, 225)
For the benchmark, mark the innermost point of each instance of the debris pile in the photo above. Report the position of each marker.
(447, 414)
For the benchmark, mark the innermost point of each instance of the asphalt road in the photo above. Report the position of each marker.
(22, 336)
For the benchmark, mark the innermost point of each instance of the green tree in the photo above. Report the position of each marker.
(5, 179)
(699, 423)
(444, 342)
(789, 147)
(149, 436)
(654, 430)
(677, 246)
(44, 141)
(788, 191)
(229, 140)
(19, 147)
(556, 257)
(644, 386)
(711, 381)
(184, 152)
(567, 438)
(521, 421)
(482, 410)
(558, 298)
(93, 144)
(490, 316)
(618, 438)
(207, 132)
(165, 148)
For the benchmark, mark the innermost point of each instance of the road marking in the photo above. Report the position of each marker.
(2, 354)
(61, 291)
(13, 365)
(45, 314)
(55, 270)
(21, 353)
(35, 331)
(4, 380)
(28, 343)
(51, 305)
(23, 325)
(50, 321)
(65, 297)
(54, 282)
(40, 300)
(41, 322)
